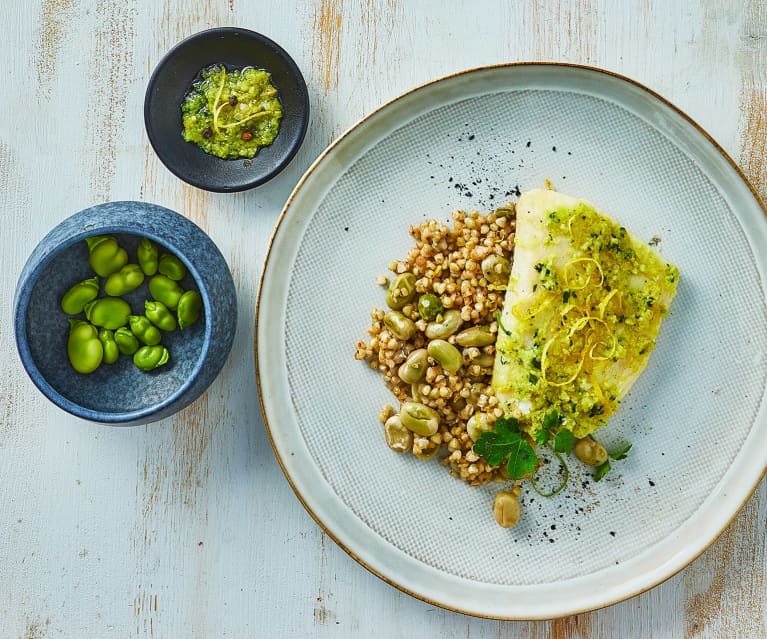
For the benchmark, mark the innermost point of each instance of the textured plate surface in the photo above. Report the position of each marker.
(696, 416)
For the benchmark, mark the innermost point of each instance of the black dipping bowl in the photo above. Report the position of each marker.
(170, 82)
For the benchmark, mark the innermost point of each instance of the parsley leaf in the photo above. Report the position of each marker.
(601, 471)
(620, 452)
(506, 443)
(551, 420)
(522, 459)
(564, 441)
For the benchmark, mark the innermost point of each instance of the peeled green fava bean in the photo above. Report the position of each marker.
(171, 267)
(165, 290)
(188, 311)
(449, 324)
(446, 355)
(127, 279)
(429, 306)
(111, 350)
(413, 369)
(108, 312)
(160, 316)
(126, 341)
(401, 290)
(147, 358)
(144, 330)
(79, 295)
(106, 255)
(148, 256)
(84, 348)
(476, 336)
(419, 418)
(496, 269)
(401, 327)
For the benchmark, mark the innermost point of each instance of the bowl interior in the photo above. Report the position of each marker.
(120, 387)
(235, 48)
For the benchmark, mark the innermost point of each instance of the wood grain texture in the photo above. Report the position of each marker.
(187, 528)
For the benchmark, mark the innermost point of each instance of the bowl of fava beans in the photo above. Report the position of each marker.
(124, 313)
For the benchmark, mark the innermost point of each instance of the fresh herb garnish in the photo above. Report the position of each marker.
(551, 420)
(601, 471)
(617, 453)
(505, 443)
(500, 323)
(561, 486)
(620, 452)
(564, 441)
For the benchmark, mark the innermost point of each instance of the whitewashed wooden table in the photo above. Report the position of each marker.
(187, 527)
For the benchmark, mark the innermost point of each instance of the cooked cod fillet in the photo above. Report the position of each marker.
(582, 311)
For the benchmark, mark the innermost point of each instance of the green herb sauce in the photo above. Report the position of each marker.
(231, 114)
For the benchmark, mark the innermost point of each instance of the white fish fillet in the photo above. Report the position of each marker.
(582, 311)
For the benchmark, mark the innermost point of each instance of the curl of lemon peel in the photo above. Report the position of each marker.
(216, 108)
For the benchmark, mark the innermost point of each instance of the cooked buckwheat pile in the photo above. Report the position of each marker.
(434, 342)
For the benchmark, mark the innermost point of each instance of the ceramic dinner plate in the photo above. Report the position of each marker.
(696, 417)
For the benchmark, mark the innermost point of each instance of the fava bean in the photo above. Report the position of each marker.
(476, 336)
(147, 255)
(160, 316)
(111, 350)
(476, 425)
(144, 330)
(165, 290)
(126, 341)
(127, 279)
(429, 306)
(398, 438)
(108, 312)
(84, 347)
(443, 328)
(485, 360)
(171, 267)
(106, 256)
(400, 326)
(188, 311)
(147, 358)
(506, 509)
(419, 418)
(590, 452)
(446, 355)
(401, 290)
(413, 369)
(496, 269)
(79, 295)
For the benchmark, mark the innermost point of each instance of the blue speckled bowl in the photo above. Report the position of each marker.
(120, 394)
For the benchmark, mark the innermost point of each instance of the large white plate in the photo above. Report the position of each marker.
(696, 417)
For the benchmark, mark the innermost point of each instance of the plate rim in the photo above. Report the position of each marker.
(637, 590)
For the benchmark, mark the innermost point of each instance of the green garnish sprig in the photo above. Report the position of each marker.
(506, 444)
(616, 454)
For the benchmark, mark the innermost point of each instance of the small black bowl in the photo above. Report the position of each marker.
(171, 80)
